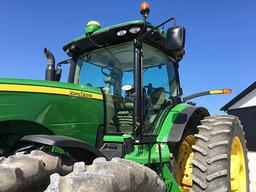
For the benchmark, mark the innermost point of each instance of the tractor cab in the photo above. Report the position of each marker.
(138, 77)
(112, 70)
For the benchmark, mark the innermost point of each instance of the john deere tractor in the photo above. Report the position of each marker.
(119, 123)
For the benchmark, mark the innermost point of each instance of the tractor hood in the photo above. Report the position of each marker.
(29, 107)
(49, 87)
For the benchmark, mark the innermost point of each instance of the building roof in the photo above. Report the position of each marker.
(239, 96)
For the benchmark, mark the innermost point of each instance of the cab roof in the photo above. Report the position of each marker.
(106, 37)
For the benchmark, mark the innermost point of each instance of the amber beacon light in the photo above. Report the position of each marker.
(144, 9)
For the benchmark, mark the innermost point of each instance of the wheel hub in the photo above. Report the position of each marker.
(184, 166)
(237, 167)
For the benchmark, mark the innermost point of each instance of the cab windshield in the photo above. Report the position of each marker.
(111, 69)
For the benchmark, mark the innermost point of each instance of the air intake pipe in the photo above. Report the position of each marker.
(50, 70)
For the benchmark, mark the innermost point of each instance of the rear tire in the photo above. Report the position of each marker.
(220, 161)
(117, 175)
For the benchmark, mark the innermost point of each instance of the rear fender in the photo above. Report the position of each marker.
(181, 122)
(176, 121)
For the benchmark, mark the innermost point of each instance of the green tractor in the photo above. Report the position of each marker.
(119, 123)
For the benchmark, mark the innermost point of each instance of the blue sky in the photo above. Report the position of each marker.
(220, 41)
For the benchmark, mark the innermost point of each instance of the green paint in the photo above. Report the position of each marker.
(141, 154)
(116, 138)
(169, 120)
(37, 113)
(170, 183)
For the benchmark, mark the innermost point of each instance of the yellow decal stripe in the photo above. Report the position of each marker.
(49, 90)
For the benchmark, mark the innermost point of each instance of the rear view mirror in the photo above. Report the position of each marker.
(175, 38)
(175, 41)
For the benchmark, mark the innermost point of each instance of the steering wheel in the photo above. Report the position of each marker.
(113, 71)
(103, 70)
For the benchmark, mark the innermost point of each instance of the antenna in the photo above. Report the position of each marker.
(169, 8)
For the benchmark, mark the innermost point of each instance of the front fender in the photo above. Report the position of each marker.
(80, 150)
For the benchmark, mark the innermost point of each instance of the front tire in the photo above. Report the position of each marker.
(117, 175)
(220, 161)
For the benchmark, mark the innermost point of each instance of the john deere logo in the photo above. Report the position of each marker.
(80, 94)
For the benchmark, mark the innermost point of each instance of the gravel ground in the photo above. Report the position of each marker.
(252, 167)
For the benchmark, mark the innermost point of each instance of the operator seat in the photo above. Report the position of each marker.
(109, 99)
(158, 97)
(109, 81)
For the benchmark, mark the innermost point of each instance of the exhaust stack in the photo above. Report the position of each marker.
(50, 70)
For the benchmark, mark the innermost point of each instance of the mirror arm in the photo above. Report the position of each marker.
(58, 72)
(144, 35)
(59, 69)
(67, 61)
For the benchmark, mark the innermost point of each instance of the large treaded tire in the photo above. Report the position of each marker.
(29, 172)
(117, 175)
(211, 162)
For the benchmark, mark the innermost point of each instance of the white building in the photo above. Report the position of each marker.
(244, 106)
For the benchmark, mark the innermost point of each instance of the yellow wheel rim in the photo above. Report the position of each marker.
(237, 167)
(184, 166)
